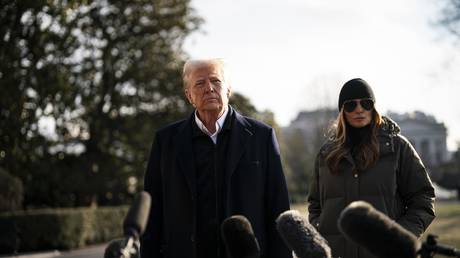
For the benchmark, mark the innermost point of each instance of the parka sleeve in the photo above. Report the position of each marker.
(314, 205)
(415, 189)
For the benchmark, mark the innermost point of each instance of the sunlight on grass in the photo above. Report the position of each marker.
(446, 225)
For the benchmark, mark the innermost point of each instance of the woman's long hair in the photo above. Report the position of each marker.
(365, 156)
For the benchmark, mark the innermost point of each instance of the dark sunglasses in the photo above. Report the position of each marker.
(350, 105)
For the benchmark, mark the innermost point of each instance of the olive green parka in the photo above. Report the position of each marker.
(397, 185)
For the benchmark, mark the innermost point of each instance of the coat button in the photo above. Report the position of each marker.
(387, 144)
(192, 238)
(355, 175)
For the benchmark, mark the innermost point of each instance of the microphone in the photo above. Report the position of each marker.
(122, 248)
(431, 247)
(373, 230)
(137, 216)
(133, 227)
(301, 237)
(239, 238)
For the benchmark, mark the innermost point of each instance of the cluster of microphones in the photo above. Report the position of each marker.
(358, 222)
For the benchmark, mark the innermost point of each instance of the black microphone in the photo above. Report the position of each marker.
(239, 238)
(301, 237)
(373, 230)
(138, 214)
(122, 248)
(133, 227)
(431, 247)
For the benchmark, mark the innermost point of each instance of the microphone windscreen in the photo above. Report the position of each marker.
(136, 219)
(114, 249)
(239, 238)
(301, 237)
(377, 233)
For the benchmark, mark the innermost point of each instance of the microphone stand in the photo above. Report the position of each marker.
(431, 247)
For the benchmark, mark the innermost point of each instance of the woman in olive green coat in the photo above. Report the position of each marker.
(367, 158)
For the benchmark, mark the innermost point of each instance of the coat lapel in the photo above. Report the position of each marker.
(184, 156)
(239, 138)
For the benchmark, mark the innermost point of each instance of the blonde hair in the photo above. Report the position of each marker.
(192, 65)
(368, 153)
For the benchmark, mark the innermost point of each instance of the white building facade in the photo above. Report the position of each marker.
(428, 136)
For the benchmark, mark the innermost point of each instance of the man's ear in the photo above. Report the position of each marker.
(188, 95)
(229, 92)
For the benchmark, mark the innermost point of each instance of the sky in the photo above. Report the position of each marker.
(294, 55)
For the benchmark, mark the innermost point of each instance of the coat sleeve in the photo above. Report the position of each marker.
(151, 240)
(314, 205)
(277, 200)
(415, 189)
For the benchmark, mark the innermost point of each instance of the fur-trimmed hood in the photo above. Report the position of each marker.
(389, 126)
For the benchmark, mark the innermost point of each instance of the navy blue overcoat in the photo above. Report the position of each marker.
(254, 182)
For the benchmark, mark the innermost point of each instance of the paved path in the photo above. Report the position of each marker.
(87, 252)
(96, 251)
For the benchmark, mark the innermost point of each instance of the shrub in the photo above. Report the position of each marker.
(59, 228)
(11, 192)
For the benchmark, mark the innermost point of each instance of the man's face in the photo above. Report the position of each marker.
(207, 90)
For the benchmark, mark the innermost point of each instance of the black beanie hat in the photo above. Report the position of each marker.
(355, 89)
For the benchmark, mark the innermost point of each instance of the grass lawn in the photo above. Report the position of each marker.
(446, 225)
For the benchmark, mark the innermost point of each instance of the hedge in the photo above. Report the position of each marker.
(11, 192)
(48, 229)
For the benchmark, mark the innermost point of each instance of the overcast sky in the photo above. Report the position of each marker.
(294, 55)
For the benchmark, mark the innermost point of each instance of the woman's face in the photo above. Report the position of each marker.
(358, 112)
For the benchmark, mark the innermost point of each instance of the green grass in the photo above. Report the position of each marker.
(446, 224)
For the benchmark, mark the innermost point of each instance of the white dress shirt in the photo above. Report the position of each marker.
(219, 125)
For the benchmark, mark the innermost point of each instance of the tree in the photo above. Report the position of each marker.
(447, 175)
(300, 148)
(242, 104)
(450, 17)
(299, 160)
(103, 75)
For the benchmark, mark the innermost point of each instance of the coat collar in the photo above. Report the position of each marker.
(240, 132)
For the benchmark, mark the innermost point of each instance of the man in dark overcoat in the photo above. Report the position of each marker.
(214, 164)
